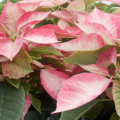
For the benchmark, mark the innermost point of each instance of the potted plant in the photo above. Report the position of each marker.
(59, 60)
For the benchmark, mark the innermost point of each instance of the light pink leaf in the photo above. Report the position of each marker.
(43, 36)
(52, 81)
(84, 43)
(28, 103)
(62, 24)
(9, 49)
(74, 30)
(79, 90)
(60, 2)
(98, 23)
(94, 68)
(61, 33)
(77, 5)
(63, 14)
(110, 21)
(10, 15)
(107, 57)
(31, 18)
(29, 6)
(38, 63)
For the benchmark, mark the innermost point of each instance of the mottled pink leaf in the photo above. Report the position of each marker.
(31, 18)
(10, 15)
(60, 33)
(79, 90)
(84, 43)
(110, 21)
(107, 57)
(94, 68)
(9, 49)
(63, 14)
(106, 23)
(28, 103)
(28, 6)
(52, 81)
(43, 36)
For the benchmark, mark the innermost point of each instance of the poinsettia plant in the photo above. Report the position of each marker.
(61, 56)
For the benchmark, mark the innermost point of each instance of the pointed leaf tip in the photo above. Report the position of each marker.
(52, 81)
(76, 92)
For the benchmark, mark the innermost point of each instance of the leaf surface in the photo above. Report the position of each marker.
(116, 98)
(115, 117)
(12, 102)
(19, 67)
(45, 50)
(52, 81)
(77, 5)
(43, 36)
(9, 49)
(83, 58)
(76, 92)
(75, 114)
(31, 18)
(89, 42)
(14, 82)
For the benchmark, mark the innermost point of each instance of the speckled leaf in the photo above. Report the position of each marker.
(83, 58)
(116, 95)
(52, 61)
(12, 102)
(75, 114)
(19, 67)
(45, 50)
(115, 117)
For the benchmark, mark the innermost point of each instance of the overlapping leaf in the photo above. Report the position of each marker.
(89, 42)
(52, 81)
(75, 114)
(116, 98)
(76, 92)
(19, 67)
(12, 102)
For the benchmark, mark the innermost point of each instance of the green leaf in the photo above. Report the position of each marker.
(52, 61)
(45, 50)
(94, 111)
(75, 114)
(116, 95)
(35, 56)
(27, 55)
(36, 103)
(12, 102)
(14, 82)
(26, 87)
(83, 58)
(18, 67)
(115, 117)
